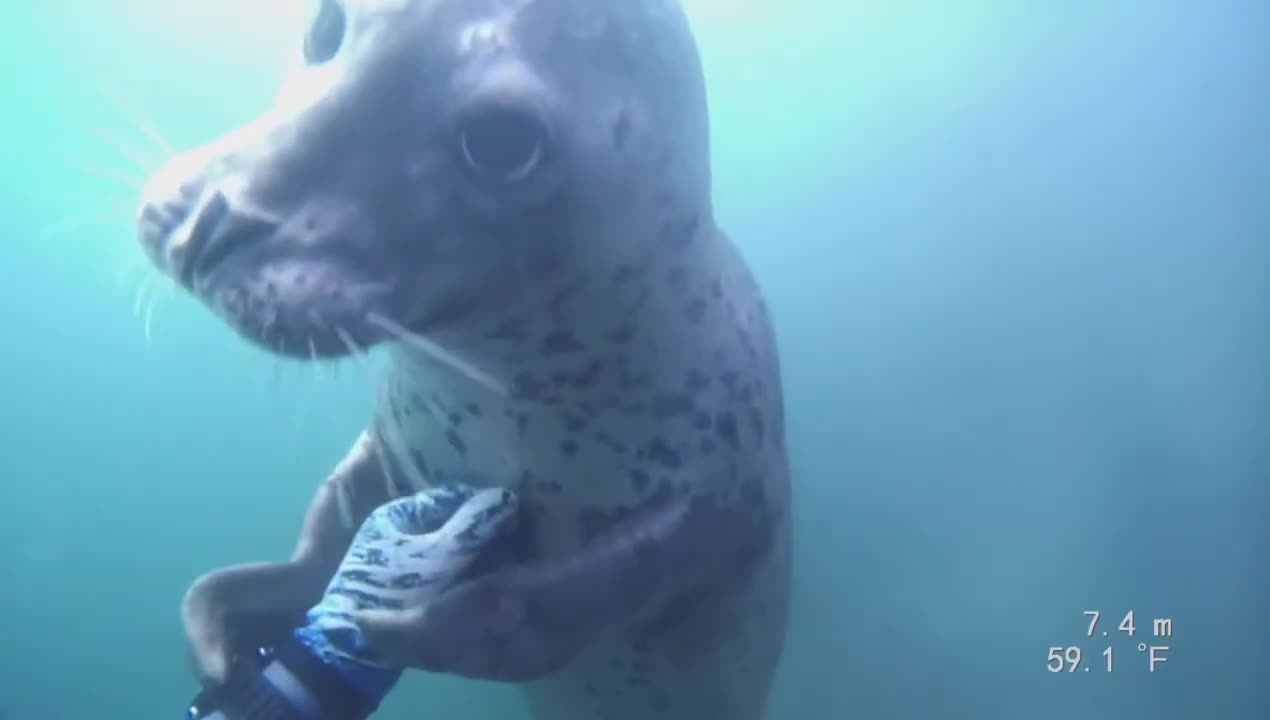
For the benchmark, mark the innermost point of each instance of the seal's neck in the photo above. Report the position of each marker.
(594, 335)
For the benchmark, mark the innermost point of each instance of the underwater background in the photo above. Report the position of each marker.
(1019, 259)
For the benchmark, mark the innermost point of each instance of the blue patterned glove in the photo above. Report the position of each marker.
(405, 553)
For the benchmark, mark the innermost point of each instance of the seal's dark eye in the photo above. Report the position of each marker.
(502, 143)
(326, 33)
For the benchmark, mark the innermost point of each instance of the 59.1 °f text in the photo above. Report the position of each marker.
(1070, 658)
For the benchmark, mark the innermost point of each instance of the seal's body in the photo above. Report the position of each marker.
(591, 434)
(514, 195)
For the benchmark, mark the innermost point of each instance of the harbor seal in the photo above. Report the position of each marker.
(513, 197)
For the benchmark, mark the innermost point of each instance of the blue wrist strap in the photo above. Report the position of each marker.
(330, 635)
(345, 653)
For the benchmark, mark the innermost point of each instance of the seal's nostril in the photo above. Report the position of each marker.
(199, 243)
(156, 222)
(217, 233)
(155, 216)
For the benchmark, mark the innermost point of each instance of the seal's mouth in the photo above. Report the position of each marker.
(312, 297)
(280, 286)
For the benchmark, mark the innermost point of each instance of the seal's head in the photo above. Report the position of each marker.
(434, 164)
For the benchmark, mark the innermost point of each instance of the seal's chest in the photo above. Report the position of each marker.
(441, 436)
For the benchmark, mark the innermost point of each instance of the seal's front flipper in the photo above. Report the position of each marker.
(527, 621)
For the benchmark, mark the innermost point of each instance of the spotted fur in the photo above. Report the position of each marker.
(585, 335)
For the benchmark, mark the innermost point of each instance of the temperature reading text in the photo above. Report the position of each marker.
(1072, 658)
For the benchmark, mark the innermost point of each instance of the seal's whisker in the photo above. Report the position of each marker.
(147, 329)
(387, 467)
(359, 354)
(299, 410)
(119, 179)
(438, 353)
(137, 159)
(275, 379)
(150, 132)
(266, 325)
(331, 368)
(313, 358)
(80, 221)
(132, 264)
(401, 451)
(363, 359)
(152, 307)
(389, 425)
(433, 416)
(139, 296)
(355, 350)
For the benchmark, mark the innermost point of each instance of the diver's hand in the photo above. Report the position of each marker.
(403, 557)
(238, 609)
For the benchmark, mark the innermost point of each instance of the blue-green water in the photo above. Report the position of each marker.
(1019, 257)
